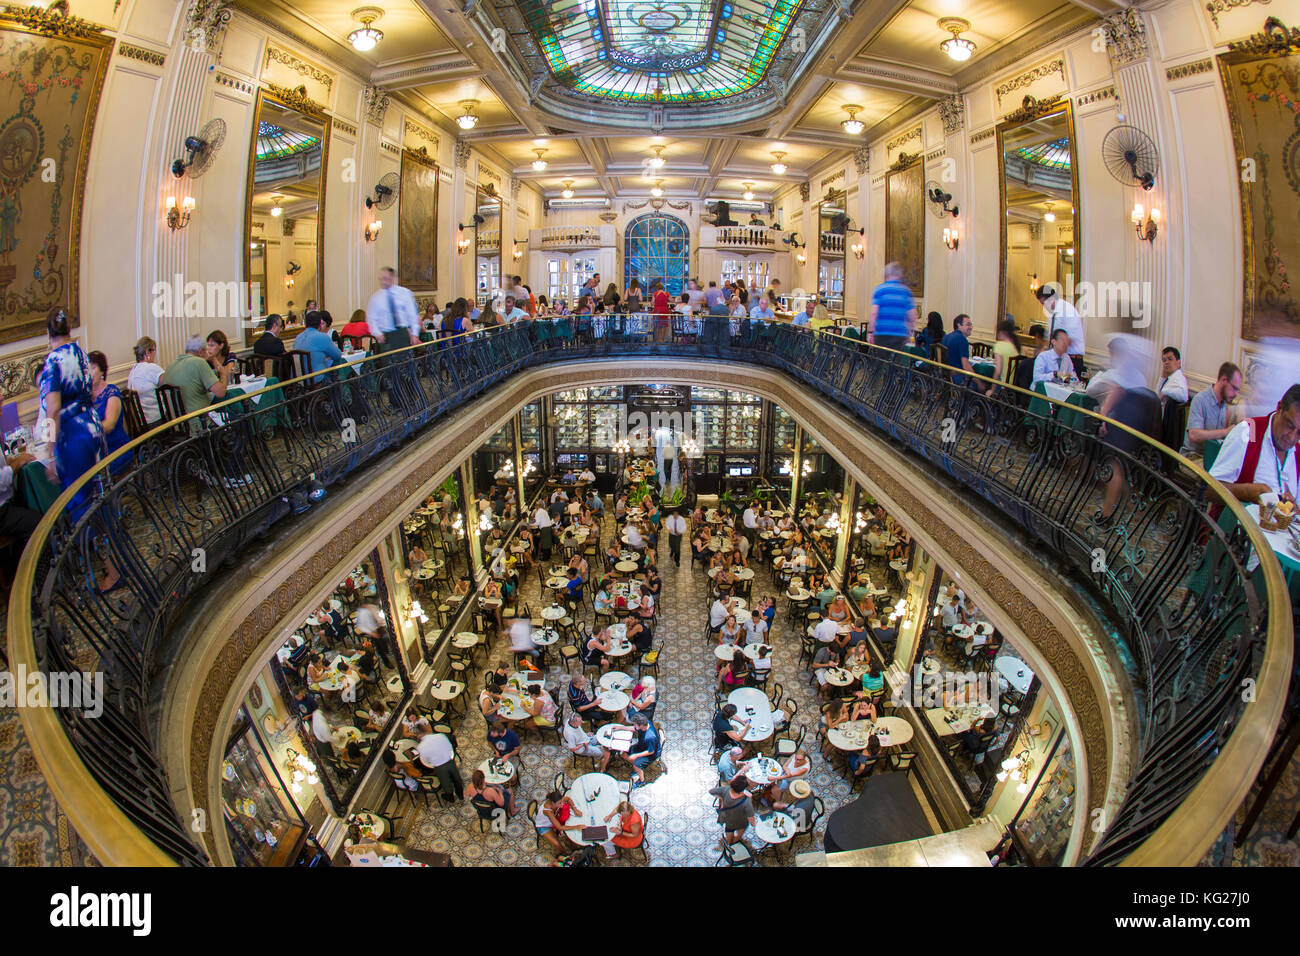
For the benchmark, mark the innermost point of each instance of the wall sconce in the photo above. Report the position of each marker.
(858, 250)
(371, 232)
(301, 769)
(1146, 223)
(1017, 767)
(463, 243)
(178, 217)
(800, 258)
(1033, 282)
(515, 252)
(951, 239)
(622, 447)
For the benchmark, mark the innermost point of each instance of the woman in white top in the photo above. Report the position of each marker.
(763, 659)
(144, 377)
(731, 632)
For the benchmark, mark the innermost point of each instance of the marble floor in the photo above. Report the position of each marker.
(682, 828)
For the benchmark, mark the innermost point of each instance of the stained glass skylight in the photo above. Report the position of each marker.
(1053, 155)
(659, 51)
(275, 142)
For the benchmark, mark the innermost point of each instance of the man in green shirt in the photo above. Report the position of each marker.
(194, 376)
(825, 596)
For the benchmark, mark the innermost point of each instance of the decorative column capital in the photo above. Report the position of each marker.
(862, 159)
(376, 99)
(952, 110)
(462, 154)
(1126, 36)
(205, 23)
(805, 190)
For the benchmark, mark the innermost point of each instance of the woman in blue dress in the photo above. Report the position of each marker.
(68, 418)
(108, 405)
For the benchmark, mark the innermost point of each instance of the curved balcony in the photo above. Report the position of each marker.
(1175, 583)
(570, 238)
(746, 237)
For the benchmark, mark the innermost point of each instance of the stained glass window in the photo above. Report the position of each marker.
(659, 50)
(274, 142)
(1054, 155)
(657, 249)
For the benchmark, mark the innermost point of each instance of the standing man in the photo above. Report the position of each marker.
(696, 297)
(1173, 383)
(750, 521)
(893, 311)
(390, 311)
(675, 524)
(437, 755)
(1063, 315)
(774, 293)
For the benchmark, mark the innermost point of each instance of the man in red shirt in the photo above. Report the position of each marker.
(662, 310)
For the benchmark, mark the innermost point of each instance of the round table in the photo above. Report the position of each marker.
(613, 701)
(553, 613)
(761, 770)
(1016, 672)
(615, 680)
(744, 574)
(775, 827)
(725, 652)
(424, 574)
(626, 567)
(371, 823)
(394, 684)
(838, 677)
(899, 566)
(446, 689)
(545, 637)
(497, 771)
(798, 595)
(963, 631)
(853, 734)
(596, 796)
(557, 584)
(490, 601)
(619, 646)
(509, 707)
(404, 746)
(519, 547)
(1281, 542)
(465, 640)
(751, 650)
(605, 736)
(752, 705)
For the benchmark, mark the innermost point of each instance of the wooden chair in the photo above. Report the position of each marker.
(171, 403)
(134, 413)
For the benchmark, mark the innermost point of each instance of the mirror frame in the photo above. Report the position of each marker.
(480, 191)
(298, 101)
(830, 196)
(1031, 111)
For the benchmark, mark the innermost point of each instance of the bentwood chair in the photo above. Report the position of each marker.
(735, 854)
(134, 413)
(645, 839)
(171, 402)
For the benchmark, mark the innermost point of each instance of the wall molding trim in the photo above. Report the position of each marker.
(143, 54)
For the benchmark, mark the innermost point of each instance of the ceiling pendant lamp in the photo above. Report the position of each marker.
(539, 164)
(467, 120)
(366, 37)
(779, 167)
(956, 46)
(657, 160)
(568, 189)
(853, 126)
(749, 191)
(658, 189)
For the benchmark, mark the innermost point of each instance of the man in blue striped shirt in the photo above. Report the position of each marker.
(893, 311)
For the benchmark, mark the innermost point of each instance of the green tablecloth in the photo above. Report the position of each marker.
(33, 488)
(1211, 452)
(272, 400)
(917, 351)
(1043, 408)
(984, 368)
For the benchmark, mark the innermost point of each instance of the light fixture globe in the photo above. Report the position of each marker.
(567, 193)
(853, 126)
(539, 164)
(467, 120)
(657, 160)
(779, 167)
(748, 194)
(657, 190)
(366, 37)
(957, 47)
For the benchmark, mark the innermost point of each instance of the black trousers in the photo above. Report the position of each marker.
(675, 547)
(16, 522)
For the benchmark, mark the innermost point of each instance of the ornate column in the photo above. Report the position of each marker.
(1137, 82)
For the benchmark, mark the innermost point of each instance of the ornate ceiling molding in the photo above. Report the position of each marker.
(1029, 77)
(430, 138)
(1031, 108)
(906, 137)
(805, 190)
(1126, 35)
(1215, 7)
(206, 22)
(1275, 38)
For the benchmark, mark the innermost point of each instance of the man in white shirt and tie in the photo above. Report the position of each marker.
(1063, 315)
(1055, 359)
(390, 311)
(1173, 383)
(675, 525)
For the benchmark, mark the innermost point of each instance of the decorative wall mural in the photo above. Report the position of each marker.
(417, 224)
(1261, 81)
(51, 73)
(905, 219)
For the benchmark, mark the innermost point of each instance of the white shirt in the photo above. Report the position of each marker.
(675, 524)
(634, 539)
(1174, 387)
(718, 614)
(1267, 472)
(521, 637)
(435, 750)
(826, 630)
(575, 738)
(587, 475)
(386, 314)
(320, 727)
(514, 315)
(755, 631)
(367, 620)
(1066, 316)
(1048, 363)
(949, 616)
(542, 518)
(750, 518)
(143, 380)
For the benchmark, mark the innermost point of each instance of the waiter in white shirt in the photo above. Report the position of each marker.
(675, 525)
(1173, 383)
(1063, 315)
(1259, 455)
(391, 309)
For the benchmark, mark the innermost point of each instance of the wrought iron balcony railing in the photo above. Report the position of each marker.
(1175, 580)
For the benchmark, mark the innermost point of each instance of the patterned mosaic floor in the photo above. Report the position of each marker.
(682, 828)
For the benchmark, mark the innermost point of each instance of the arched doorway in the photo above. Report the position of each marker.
(656, 248)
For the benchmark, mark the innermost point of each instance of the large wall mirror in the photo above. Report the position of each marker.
(1040, 202)
(833, 224)
(284, 221)
(487, 244)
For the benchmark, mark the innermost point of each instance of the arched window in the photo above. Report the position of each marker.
(657, 249)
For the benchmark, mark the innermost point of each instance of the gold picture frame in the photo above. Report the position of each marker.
(905, 219)
(417, 222)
